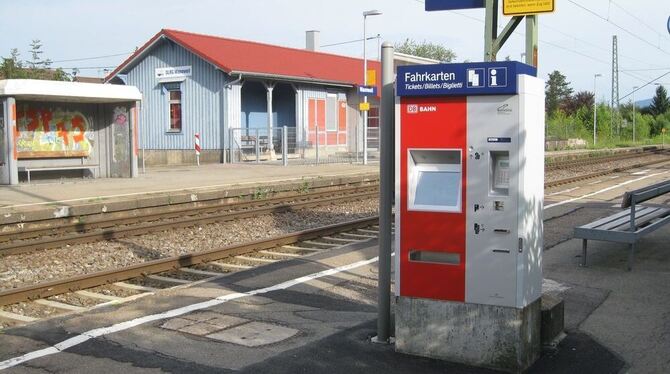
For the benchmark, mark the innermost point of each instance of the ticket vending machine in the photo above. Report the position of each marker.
(469, 196)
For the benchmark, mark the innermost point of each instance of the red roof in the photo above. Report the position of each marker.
(240, 56)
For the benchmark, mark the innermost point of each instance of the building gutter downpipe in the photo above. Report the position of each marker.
(236, 81)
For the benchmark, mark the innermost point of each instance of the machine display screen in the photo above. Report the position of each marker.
(434, 180)
(437, 188)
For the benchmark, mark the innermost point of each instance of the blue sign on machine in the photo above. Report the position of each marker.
(367, 90)
(478, 78)
(432, 5)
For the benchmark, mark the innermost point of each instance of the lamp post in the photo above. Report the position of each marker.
(634, 88)
(366, 14)
(595, 108)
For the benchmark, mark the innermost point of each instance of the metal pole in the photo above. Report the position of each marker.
(284, 145)
(490, 29)
(317, 142)
(230, 145)
(595, 109)
(386, 178)
(595, 112)
(257, 147)
(531, 40)
(634, 88)
(365, 98)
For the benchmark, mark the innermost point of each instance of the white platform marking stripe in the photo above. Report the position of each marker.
(76, 340)
(564, 191)
(603, 190)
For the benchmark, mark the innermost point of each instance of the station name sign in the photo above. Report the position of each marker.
(479, 78)
(177, 72)
(367, 90)
(433, 5)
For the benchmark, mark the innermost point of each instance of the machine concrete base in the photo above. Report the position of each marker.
(497, 337)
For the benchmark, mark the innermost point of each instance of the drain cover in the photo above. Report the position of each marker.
(254, 334)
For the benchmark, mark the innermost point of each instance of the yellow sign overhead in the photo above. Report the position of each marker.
(364, 106)
(527, 7)
(371, 78)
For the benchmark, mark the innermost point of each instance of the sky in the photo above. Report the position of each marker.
(575, 40)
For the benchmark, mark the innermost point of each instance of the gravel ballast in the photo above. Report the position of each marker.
(78, 259)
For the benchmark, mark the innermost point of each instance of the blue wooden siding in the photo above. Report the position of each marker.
(202, 100)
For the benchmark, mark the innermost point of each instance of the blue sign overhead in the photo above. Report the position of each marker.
(432, 5)
(478, 78)
(367, 90)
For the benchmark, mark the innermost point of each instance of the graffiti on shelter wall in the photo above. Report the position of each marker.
(121, 135)
(120, 165)
(47, 132)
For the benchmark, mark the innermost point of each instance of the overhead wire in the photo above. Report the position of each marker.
(645, 85)
(555, 45)
(92, 58)
(644, 23)
(634, 35)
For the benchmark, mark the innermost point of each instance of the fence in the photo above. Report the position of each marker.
(285, 145)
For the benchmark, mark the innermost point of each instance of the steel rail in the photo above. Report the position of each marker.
(47, 289)
(150, 227)
(600, 173)
(598, 159)
(131, 216)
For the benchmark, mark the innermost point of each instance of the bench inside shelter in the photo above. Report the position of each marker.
(630, 225)
(30, 169)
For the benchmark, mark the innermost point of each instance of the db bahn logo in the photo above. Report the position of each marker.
(414, 108)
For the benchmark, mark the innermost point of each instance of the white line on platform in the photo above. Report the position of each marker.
(594, 182)
(564, 191)
(91, 334)
(184, 189)
(603, 190)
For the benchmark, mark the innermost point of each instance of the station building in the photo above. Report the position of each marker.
(194, 83)
(58, 129)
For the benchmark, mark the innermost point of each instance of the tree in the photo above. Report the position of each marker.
(582, 99)
(13, 67)
(660, 104)
(557, 91)
(425, 49)
(36, 52)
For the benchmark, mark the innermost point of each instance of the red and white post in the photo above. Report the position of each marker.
(197, 148)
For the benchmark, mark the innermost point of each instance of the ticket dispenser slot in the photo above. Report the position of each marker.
(435, 180)
(499, 174)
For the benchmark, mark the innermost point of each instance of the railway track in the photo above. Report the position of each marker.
(585, 176)
(37, 238)
(119, 285)
(551, 166)
(26, 239)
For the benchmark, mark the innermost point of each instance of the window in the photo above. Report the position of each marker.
(174, 95)
(331, 112)
(373, 116)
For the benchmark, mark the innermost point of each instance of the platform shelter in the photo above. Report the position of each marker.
(52, 129)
